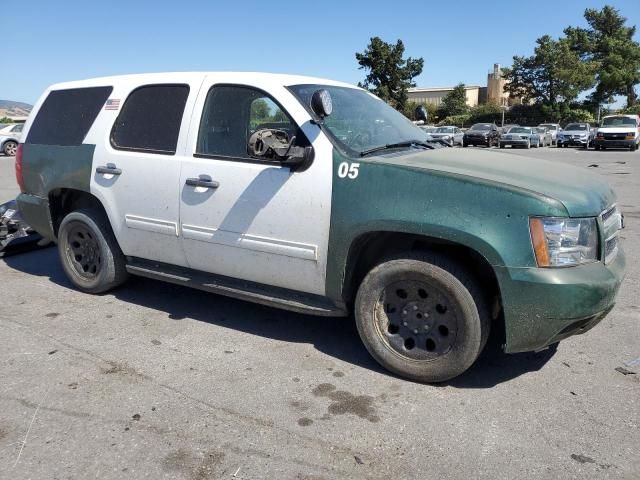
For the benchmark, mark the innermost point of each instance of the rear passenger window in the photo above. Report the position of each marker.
(150, 119)
(66, 116)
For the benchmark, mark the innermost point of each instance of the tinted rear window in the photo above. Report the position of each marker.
(150, 119)
(67, 115)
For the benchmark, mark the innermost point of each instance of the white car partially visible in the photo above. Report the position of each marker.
(10, 138)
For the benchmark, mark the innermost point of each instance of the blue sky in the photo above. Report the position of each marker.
(70, 40)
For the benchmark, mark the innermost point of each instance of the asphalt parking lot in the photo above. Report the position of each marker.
(159, 381)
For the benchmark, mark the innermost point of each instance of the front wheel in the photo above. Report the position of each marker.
(89, 252)
(10, 148)
(422, 317)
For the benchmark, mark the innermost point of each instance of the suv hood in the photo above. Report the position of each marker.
(584, 194)
(575, 132)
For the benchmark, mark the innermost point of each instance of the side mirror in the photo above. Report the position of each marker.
(321, 103)
(421, 113)
(272, 144)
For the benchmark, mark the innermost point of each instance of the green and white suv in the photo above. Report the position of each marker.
(316, 196)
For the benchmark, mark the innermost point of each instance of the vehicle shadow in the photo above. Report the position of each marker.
(336, 337)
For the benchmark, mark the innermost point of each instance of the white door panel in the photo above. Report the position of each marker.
(143, 202)
(263, 223)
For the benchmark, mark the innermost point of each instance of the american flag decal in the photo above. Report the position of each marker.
(112, 104)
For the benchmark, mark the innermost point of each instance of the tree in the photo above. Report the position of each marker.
(454, 102)
(260, 109)
(554, 74)
(389, 74)
(609, 43)
(6, 120)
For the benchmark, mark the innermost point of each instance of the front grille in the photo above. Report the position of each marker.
(606, 215)
(611, 225)
(614, 136)
(611, 247)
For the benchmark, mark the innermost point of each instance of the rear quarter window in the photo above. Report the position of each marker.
(150, 119)
(66, 116)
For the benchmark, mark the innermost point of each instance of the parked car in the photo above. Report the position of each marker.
(575, 135)
(505, 128)
(486, 134)
(618, 131)
(10, 138)
(428, 128)
(328, 202)
(544, 135)
(451, 135)
(519, 137)
(555, 130)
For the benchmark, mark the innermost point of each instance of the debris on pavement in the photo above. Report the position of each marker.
(16, 236)
(624, 371)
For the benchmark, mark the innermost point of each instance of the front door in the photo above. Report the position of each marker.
(247, 218)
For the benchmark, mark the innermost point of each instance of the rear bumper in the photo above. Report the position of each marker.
(36, 213)
(543, 306)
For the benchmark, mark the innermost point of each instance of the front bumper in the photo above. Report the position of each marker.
(573, 142)
(36, 212)
(545, 305)
(515, 143)
(618, 143)
(476, 140)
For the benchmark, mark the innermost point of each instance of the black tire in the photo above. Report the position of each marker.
(597, 147)
(454, 314)
(465, 144)
(90, 255)
(10, 148)
(502, 145)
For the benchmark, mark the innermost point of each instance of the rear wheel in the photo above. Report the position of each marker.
(422, 317)
(10, 148)
(89, 252)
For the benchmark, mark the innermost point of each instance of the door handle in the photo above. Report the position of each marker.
(202, 182)
(110, 169)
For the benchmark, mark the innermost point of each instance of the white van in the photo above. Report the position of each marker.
(618, 131)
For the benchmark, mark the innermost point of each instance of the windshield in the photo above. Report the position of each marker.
(360, 121)
(550, 127)
(619, 122)
(519, 130)
(481, 126)
(428, 129)
(539, 130)
(444, 130)
(576, 126)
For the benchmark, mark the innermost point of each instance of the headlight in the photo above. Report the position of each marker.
(563, 241)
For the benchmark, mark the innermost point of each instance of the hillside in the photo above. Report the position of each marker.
(9, 108)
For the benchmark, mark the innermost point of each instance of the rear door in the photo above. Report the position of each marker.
(258, 220)
(136, 166)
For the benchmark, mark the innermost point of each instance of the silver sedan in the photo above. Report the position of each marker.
(451, 135)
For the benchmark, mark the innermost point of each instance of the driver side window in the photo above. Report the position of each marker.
(232, 114)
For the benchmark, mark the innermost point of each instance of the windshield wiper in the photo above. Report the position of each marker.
(409, 143)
